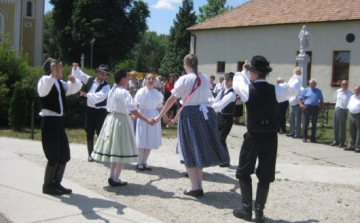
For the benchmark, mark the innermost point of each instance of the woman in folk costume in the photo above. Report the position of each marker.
(200, 145)
(149, 102)
(116, 142)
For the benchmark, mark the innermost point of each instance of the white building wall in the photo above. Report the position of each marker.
(279, 44)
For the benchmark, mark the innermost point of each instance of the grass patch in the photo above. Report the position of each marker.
(74, 135)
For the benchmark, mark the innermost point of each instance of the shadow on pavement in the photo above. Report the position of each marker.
(87, 205)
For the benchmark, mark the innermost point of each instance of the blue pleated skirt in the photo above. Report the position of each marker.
(199, 138)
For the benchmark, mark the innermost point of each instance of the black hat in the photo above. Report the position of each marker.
(258, 65)
(47, 63)
(103, 68)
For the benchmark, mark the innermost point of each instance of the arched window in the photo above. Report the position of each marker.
(29, 9)
(2, 23)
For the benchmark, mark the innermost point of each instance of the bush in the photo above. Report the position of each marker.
(18, 107)
(12, 67)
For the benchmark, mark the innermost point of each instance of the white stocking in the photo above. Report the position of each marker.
(141, 155)
(112, 170)
(146, 155)
(119, 167)
(193, 178)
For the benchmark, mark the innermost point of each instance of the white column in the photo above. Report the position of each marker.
(303, 61)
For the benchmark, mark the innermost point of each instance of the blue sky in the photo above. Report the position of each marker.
(162, 12)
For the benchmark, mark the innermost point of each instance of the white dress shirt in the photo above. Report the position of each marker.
(294, 99)
(342, 98)
(44, 86)
(354, 104)
(219, 104)
(283, 91)
(219, 87)
(92, 97)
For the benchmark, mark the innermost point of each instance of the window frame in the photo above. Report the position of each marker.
(337, 83)
(25, 4)
(240, 65)
(218, 67)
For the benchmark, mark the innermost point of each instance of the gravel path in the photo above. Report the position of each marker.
(308, 187)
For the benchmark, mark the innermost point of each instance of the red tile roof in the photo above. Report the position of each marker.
(273, 12)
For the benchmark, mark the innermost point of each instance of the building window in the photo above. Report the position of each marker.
(29, 9)
(220, 67)
(2, 25)
(308, 66)
(341, 64)
(240, 64)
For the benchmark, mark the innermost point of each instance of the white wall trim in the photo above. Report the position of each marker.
(38, 48)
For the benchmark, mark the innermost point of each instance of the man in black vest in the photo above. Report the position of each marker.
(260, 140)
(224, 103)
(52, 92)
(96, 91)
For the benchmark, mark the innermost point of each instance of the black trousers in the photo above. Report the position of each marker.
(54, 140)
(282, 108)
(262, 146)
(225, 125)
(310, 112)
(94, 120)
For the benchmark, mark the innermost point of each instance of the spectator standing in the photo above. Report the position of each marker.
(311, 106)
(282, 108)
(219, 86)
(212, 84)
(52, 92)
(260, 140)
(295, 117)
(168, 87)
(342, 97)
(133, 86)
(95, 92)
(354, 121)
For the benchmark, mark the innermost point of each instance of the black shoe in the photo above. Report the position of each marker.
(58, 186)
(295, 136)
(140, 167)
(50, 189)
(313, 141)
(194, 193)
(224, 165)
(110, 181)
(186, 174)
(290, 135)
(350, 148)
(118, 184)
(341, 145)
(357, 150)
(244, 213)
(90, 159)
(334, 143)
(146, 167)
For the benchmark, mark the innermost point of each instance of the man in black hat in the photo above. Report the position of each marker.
(260, 140)
(96, 91)
(52, 92)
(224, 104)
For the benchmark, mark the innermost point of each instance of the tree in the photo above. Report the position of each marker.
(178, 45)
(114, 24)
(51, 46)
(18, 108)
(211, 9)
(12, 68)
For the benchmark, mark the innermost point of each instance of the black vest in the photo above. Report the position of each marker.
(262, 108)
(51, 101)
(230, 108)
(88, 87)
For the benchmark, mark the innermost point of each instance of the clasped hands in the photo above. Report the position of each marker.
(153, 121)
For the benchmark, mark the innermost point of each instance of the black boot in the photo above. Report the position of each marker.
(261, 196)
(58, 178)
(48, 186)
(245, 212)
(90, 147)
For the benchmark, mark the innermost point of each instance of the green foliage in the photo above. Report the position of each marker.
(114, 24)
(147, 54)
(12, 67)
(179, 40)
(51, 48)
(212, 9)
(18, 108)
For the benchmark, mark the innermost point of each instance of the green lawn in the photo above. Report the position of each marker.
(79, 136)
